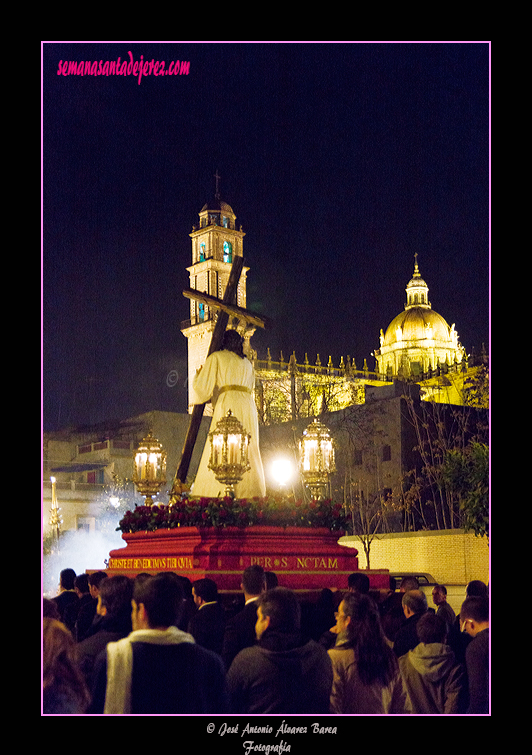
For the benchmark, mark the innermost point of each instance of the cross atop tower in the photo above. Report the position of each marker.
(217, 177)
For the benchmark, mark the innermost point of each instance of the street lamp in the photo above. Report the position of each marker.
(229, 452)
(150, 468)
(56, 519)
(316, 457)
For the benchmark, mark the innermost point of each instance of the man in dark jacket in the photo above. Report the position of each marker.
(282, 673)
(414, 606)
(240, 630)
(475, 620)
(114, 611)
(208, 623)
(86, 608)
(67, 601)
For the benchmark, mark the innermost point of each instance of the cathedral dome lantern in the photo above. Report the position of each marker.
(417, 291)
(418, 339)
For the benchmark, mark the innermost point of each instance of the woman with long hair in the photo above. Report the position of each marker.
(64, 687)
(366, 673)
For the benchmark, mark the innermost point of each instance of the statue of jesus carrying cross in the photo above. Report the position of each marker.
(228, 379)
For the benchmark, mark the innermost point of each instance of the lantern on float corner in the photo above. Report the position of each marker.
(150, 468)
(316, 458)
(229, 452)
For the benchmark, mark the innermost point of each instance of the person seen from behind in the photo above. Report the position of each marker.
(366, 678)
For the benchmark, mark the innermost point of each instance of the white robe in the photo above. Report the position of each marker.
(224, 368)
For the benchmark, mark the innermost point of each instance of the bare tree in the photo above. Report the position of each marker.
(366, 500)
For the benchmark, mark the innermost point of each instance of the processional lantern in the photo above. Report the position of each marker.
(316, 458)
(150, 468)
(229, 452)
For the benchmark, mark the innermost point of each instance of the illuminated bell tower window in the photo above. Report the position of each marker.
(228, 251)
(202, 254)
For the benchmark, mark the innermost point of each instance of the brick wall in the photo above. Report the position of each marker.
(451, 556)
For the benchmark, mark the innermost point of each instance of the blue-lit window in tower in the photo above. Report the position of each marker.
(201, 311)
(202, 252)
(228, 251)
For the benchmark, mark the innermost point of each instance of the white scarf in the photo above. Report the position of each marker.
(120, 664)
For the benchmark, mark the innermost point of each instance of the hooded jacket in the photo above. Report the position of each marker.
(434, 680)
(281, 674)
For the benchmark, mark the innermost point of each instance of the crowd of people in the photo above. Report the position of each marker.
(159, 644)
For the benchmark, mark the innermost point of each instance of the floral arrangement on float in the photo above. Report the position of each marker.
(271, 511)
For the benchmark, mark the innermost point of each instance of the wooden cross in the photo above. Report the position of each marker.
(227, 307)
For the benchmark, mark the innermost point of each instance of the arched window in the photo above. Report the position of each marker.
(228, 251)
(202, 252)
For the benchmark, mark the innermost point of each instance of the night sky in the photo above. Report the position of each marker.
(340, 161)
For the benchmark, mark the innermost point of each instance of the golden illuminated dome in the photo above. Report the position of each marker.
(418, 339)
(417, 324)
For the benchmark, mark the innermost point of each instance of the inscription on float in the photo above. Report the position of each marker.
(290, 563)
(299, 562)
(168, 562)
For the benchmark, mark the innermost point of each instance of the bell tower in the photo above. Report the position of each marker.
(215, 243)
